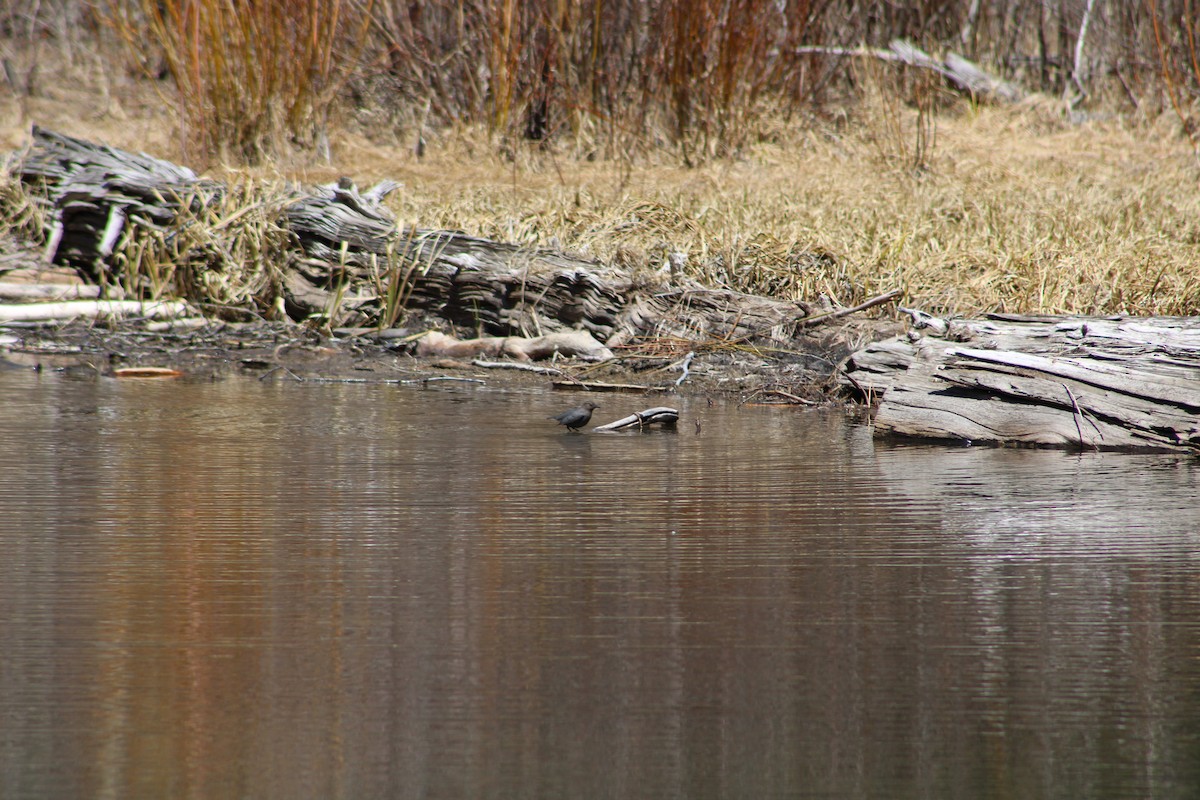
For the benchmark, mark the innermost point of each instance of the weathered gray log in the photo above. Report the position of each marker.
(659, 415)
(349, 254)
(94, 191)
(504, 288)
(510, 289)
(1096, 383)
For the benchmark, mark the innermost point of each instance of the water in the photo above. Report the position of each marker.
(282, 590)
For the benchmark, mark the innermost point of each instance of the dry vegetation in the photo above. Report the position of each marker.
(774, 172)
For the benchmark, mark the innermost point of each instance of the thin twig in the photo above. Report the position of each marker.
(518, 366)
(382, 381)
(886, 297)
(789, 396)
(275, 369)
(684, 367)
(438, 378)
(1077, 416)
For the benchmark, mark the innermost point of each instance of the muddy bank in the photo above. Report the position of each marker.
(202, 347)
(209, 349)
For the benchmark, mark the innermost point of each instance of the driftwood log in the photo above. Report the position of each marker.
(95, 193)
(347, 252)
(505, 289)
(1090, 383)
(659, 415)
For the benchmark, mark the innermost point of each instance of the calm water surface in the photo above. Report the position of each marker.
(245, 589)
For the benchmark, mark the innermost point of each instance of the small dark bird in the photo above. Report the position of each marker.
(576, 418)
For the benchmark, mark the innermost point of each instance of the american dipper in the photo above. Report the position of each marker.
(576, 418)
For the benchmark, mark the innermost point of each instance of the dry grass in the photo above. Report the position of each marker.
(226, 253)
(1014, 209)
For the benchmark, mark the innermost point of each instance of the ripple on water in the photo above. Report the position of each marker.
(304, 590)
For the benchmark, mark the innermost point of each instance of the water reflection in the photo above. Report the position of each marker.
(331, 590)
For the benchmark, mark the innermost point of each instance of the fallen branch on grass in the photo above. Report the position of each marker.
(479, 362)
(372, 381)
(966, 75)
(597, 386)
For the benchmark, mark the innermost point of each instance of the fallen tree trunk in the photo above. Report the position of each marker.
(95, 193)
(1110, 383)
(507, 289)
(344, 261)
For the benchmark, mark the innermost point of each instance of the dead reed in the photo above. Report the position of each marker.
(249, 77)
(226, 253)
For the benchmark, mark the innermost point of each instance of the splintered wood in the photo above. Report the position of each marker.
(1110, 383)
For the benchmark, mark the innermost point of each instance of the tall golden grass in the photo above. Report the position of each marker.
(225, 253)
